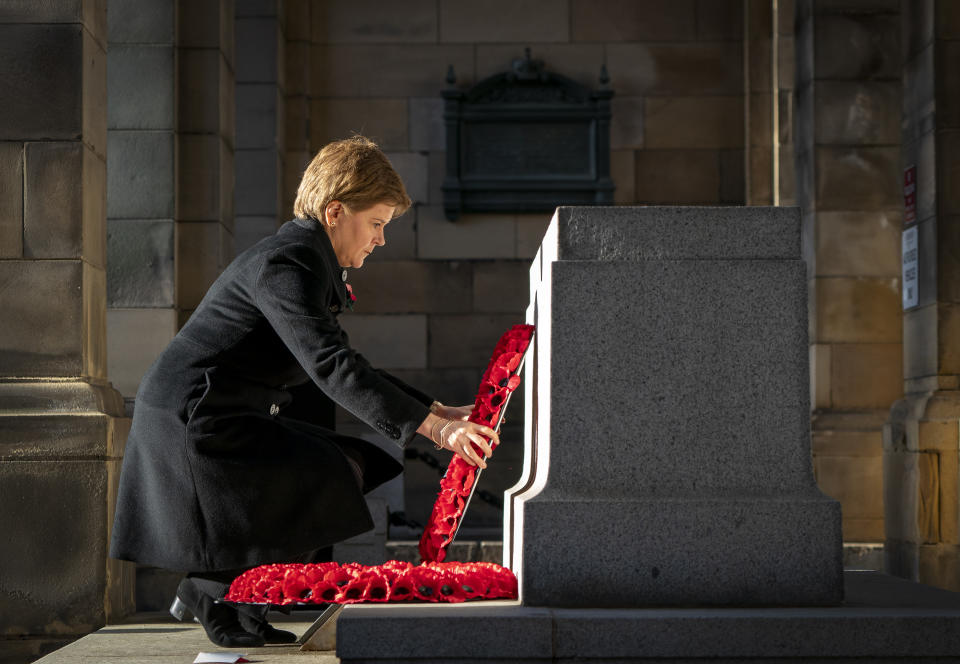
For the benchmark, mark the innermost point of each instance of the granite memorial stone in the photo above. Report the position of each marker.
(668, 454)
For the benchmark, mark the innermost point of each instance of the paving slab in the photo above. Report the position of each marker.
(156, 638)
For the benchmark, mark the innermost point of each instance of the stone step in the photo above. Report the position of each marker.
(882, 619)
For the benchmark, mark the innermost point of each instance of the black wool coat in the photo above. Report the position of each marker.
(216, 475)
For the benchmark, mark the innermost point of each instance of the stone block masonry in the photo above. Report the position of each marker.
(397, 341)
(136, 101)
(505, 21)
(59, 222)
(140, 172)
(42, 64)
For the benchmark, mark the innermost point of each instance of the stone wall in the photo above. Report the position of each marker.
(434, 299)
(848, 179)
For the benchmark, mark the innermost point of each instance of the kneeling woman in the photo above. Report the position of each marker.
(219, 474)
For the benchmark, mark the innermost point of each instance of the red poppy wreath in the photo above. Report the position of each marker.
(393, 581)
(351, 583)
(499, 380)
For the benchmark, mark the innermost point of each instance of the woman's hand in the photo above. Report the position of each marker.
(459, 437)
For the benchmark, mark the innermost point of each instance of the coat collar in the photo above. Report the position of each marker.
(322, 242)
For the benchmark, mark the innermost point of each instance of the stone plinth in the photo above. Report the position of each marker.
(883, 619)
(61, 445)
(668, 449)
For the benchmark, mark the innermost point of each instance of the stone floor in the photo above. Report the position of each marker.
(882, 619)
(156, 638)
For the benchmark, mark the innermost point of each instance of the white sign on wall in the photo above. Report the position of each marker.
(910, 290)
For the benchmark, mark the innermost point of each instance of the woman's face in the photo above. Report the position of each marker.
(354, 235)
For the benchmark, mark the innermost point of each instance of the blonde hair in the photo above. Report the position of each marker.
(353, 171)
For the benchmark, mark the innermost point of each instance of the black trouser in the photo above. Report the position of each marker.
(217, 583)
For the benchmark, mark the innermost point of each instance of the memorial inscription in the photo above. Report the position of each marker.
(563, 149)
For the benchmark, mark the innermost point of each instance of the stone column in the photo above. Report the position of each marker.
(768, 89)
(920, 438)
(260, 122)
(62, 429)
(761, 105)
(169, 187)
(205, 148)
(668, 450)
(848, 186)
(297, 21)
(141, 200)
(141, 232)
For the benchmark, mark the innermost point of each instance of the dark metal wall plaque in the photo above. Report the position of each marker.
(526, 141)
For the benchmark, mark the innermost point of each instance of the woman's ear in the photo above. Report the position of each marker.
(332, 212)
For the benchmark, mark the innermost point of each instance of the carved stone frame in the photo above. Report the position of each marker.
(526, 140)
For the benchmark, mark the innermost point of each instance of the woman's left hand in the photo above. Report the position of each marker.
(454, 412)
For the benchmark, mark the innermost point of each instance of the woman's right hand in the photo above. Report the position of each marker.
(459, 437)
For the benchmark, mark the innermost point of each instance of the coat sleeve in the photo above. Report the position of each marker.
(292, 290)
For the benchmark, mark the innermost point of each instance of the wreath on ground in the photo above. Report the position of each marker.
(352, 583)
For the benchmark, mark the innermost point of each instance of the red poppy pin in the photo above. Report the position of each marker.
(351, 298)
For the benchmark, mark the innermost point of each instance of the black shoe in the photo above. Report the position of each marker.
(254, 620)
(218, 620)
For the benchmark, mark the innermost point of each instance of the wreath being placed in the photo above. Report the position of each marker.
(500, 379)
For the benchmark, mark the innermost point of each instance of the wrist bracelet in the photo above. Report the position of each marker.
(437, 440)
(446, 423)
